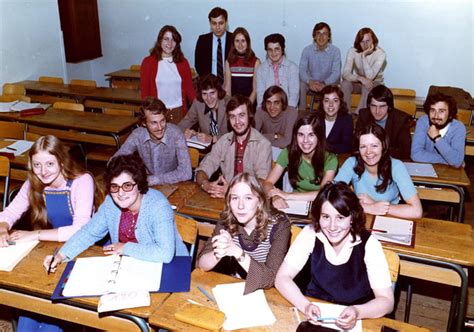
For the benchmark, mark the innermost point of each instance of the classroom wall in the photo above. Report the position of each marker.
(427, 41)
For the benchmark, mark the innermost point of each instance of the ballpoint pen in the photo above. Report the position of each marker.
(55, 252)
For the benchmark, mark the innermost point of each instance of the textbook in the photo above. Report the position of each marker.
(193, 142)
(394, 230)
(10, 256)
(95, 276)
(242, 311)
(297, 207)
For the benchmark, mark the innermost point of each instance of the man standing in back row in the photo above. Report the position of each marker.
(212, 48)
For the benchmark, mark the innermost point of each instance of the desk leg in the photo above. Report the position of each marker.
(459, 310)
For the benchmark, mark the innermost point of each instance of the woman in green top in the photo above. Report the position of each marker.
(309, 165)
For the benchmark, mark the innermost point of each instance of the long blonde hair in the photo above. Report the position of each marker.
(69, 169)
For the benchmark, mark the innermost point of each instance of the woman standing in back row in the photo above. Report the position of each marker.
(165, 74)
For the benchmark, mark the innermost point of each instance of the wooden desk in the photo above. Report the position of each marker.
(18, 165)
(83, 122)
(124, 75)
(28, 287)
(81, 93)
(285, 319)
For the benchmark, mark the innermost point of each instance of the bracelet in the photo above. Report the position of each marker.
(435, 138)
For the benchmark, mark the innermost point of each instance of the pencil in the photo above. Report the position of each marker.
(55, 252)
(209, 296)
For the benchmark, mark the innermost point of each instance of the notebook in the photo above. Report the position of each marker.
(242, 311)
(193, 142)
(297, 207)
(18, 148)
(419, 169)
(10, 256)
(17, 106)
(329, 310)
(394, 230)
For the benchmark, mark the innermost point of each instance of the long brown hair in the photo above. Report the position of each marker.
(69, 169)
(178, 55)
(233, 54)
(264, 210)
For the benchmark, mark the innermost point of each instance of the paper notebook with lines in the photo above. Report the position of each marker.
(394, 230)
(92, 276)
(10, 256)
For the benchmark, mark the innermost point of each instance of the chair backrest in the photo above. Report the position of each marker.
(10, 98)
(119, 112)
(15, 130)
(188, 229)
(13, 89)
(194, 155)
(50, 79)
(399, 92)
(135, 67)
(5, 172)
(68, 106)
(407, 106)
(90, 83)
(393, 264)
(130, 85)
(29, 136)
(73, 136)
(355, 98)
(295, 230)
(465, 116)
(101, 105)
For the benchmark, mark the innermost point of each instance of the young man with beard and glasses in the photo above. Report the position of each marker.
(243, 149)
(439, 138)
(396, 123)
(161, 145)
(212, 45)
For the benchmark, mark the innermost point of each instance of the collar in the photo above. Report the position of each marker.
(283, 62)
(349, 244)
(323, 50)
(214, 37)
(248, 138)
(164, 140)
(443, 131)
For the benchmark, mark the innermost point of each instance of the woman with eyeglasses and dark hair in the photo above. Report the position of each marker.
(348, 265)
(139, 219)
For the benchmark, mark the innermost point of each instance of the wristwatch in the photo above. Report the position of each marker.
(242, 257)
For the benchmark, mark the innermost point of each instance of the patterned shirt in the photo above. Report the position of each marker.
(167, 161)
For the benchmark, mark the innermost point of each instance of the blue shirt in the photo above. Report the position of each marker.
(214, 53)
(401, 182)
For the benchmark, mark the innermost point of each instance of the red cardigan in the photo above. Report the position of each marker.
(148, 71)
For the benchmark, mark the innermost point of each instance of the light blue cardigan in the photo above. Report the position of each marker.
(158, 238)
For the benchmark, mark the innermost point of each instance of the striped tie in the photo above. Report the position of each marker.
(220, 69)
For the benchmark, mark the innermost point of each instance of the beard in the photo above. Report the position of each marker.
(440, 126)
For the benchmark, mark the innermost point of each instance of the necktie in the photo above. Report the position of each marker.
(220, 68)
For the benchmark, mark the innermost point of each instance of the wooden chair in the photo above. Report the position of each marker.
(14, 130)
(465, 116)
(188, 229)
(355, 98)
(130, 85)
(50, 79)
(13, 89)
(10, 98)
(135, 67)
(118, 112)
(31, 136)
(399, 92)
(89, 83)
(405, 105)
(5, 173)
(295, 231)
(97, 105)
(393, 264)
(194, 155)
(68, 106)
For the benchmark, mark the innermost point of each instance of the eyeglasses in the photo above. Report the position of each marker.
(126, 187)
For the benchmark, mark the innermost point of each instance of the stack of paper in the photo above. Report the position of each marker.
(94, 276)
(193, 142)
(297, 207)
(10, 256)
(329, 310)
(17, 106)
(242, 311)
(18, 148)
(394, 230)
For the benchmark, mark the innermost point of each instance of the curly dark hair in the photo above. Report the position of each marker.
(328, 89)
(384, 167)
(295, 154)
(264, 211)
(435, 98)
(207, 82)
(131, 164)
(345, 201)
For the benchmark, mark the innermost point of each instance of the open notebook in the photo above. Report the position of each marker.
(193, 142)
(94, 276)
(394, 230)
(17, 106)
(242, 311)
(297, 207)
(10, 256)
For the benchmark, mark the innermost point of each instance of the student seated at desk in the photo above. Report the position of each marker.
(252, 238)
(377, 179)
(139, 219)
(208, 110)
(58, 196)
(348, 265)
(309, 164)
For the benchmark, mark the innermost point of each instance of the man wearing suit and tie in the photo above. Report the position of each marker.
(212, 48)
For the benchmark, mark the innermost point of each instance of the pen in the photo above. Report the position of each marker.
(55, 252)
(377, 230)
(9, 148)
(209, 296)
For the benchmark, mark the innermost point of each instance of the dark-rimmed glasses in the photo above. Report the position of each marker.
(126, 187)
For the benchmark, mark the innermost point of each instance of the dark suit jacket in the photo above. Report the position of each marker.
(340, 138)
(397, 129)
(203, 52)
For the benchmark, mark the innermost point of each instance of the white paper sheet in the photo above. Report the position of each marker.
(193, 142)
(18, 148)
(419, 169)
(394, 230)
(334, 310)
(10, 256)
(297, 207)
(242, 311)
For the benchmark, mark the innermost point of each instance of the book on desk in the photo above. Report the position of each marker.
(115, 275)
(394, 230)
